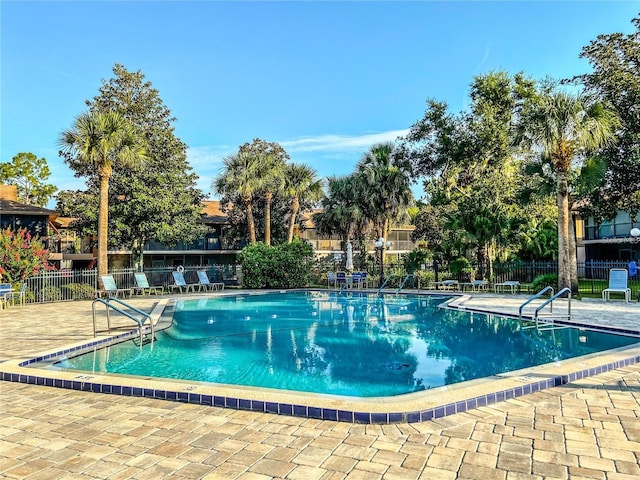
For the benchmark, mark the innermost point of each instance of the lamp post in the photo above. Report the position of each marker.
(381, 245)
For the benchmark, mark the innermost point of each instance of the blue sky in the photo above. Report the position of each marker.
(326, 80)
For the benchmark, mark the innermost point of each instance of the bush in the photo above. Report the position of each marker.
(462, 269)
(21, 256)
(79, 291)
(414, 260)
(282, 266)
(546, 280)
(51, 293)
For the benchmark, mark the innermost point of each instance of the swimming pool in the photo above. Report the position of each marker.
(360, 345)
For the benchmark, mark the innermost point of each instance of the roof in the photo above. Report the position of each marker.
(16, 208)
(212, 212)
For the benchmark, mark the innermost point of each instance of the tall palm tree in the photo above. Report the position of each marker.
(387, 182)
(565, 127)
(240, 175)
(98, 142)
(270, 180)
(300, 183)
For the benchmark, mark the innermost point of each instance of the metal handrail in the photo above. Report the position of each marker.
(404, 281)
(537, 295)
(550, 300)
(386, 280)
(107, 303)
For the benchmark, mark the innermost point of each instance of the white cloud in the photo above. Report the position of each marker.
(323, 143)
(328, 154)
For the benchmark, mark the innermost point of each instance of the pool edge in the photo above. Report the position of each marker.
(415, 407)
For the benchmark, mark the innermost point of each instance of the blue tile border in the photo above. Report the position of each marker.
(83, 383)
(319, 413)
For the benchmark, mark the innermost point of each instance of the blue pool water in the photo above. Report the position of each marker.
(324, 342)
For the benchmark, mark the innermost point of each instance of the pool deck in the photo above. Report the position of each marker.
(589, 428)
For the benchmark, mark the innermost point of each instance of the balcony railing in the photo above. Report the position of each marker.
(614, 230)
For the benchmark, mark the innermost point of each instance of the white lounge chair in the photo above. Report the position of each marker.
(206, 284)
(111, 289)
(617, 284)
(181, 283)
(512, 285)
(142, 285)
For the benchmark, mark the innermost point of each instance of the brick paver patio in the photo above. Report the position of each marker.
(587, 429)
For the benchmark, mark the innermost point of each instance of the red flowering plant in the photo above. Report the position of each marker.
(21, 256)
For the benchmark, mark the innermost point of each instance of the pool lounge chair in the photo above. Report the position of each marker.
(180, 283)
(512, 285)
(111, 289)
(617, 284)
(445, 284)
(142, 285)
(476, 285)
(206, 284)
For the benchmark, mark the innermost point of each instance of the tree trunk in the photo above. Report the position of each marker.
(562, 200)
(482, 253)
(385, 232)
(267, 218)
(137, 254)
(295, 207)
(103, 226)
(250, 222)
(573, 255)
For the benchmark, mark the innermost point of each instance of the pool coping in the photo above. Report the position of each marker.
(420, 406)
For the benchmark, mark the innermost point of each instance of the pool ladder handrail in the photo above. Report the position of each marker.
(140, 321)
(411, 275)
(537, 295)
(386, 280)
(550, 300)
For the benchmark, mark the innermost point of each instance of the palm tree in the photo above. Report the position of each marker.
(387, 184)
(300, 183)
(565, 128)
(270, 180)
(240, 175)
(98, 142)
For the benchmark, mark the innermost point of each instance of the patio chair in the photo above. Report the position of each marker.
(355, 280)
(111, 289)
(142, 285)
(512, 285)
(206, 284)
(341, 278)
(5, 291)
(617, 284)
(19, 295)
(331, 279)
(180, 283)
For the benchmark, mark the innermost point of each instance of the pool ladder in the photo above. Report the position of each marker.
(553, 296)
(138, 316)
(389, 277)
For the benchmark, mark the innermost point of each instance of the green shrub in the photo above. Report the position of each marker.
(462, 269)
(414, 260)
(282, 266)
(51, 293)
(458, 265)
(78, 291)
(426, 277)
(546, 280)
